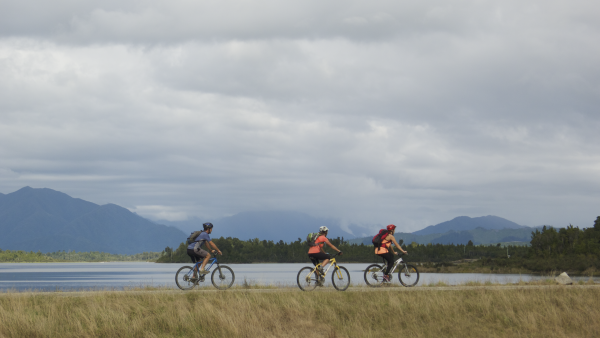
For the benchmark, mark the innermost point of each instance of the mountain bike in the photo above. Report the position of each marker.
(222, 276)
(308, 277)
(408, 274)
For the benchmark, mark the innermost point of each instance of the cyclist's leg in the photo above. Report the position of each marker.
(194, 257)
(313, 259)
(205, 256)
(389, 259)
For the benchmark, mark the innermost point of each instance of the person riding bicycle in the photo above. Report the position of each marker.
(386, 250)
(316, 253)
(196, 252)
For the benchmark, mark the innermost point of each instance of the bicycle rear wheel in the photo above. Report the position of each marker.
(408, 275)
(306, 280)
(222, 277)
(374, 275)
(340, 278)
(184, 278)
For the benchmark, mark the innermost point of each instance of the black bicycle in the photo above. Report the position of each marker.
(222, 276)
(408, 274)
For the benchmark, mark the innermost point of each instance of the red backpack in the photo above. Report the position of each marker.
(378, 239)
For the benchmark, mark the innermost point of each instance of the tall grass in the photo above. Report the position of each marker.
(529, 312)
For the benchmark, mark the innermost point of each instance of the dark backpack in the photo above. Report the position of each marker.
(378, 239)
(311, 238)
(193, 237)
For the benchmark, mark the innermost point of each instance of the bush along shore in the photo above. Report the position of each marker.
(556, 311)
(18, 256)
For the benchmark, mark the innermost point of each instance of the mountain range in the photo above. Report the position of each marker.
(48, 220)
(461, 230)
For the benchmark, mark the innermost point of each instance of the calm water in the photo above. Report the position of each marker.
(117, 275)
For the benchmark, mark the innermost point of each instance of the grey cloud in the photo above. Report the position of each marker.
(410, 113)
(160, 22)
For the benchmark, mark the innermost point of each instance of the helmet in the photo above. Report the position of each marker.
(391, 227)
(323, 229)
(207, 226)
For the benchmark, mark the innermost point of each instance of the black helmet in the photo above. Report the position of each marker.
(207, 226)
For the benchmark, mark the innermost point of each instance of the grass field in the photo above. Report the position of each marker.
(464, 311)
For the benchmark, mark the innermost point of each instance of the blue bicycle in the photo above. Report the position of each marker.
(222, 276)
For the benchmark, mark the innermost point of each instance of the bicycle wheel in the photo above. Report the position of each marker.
(408, 275)
(306, 280)
(374, 275)
(222, 277)
(184, 278)
(340, 278)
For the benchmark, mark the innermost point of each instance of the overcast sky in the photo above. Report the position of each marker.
(371, 112)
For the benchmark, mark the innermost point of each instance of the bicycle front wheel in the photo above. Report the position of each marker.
(222, 277)
(340, 278)
(184, 278)
(307, 281)
(408, 275)
(374, 275)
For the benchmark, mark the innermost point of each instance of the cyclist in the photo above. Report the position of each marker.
(196, 252)
(316, 253)
(386, 251)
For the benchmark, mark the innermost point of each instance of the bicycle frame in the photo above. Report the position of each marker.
(332, 262)
(212, 261)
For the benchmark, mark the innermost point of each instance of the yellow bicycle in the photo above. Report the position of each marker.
(308, 278)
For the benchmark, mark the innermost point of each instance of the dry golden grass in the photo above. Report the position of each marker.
(545, 311)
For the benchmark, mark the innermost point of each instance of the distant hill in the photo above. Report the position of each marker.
(270, 225)
(463, 223)
(461, 230)
(48, 220)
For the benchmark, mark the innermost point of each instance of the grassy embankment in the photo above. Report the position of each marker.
(392, 312)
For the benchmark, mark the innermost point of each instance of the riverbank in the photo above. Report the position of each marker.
(543, 311)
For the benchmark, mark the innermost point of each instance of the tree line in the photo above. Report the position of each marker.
(264, 251)
(19, 256)
(566, 249)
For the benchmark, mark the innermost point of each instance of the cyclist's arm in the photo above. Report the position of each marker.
(215, 247)
(332, 246)
(397, 245)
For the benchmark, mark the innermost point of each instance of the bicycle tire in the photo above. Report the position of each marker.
(183, 278)
(411, 275)
(340, 284)
(374, 275)
(225, 277)
(306, 283)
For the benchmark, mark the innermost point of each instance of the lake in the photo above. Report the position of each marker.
(118, 275)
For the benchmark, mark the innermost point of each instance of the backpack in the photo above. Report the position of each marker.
(310, 239)
(378, 239)
(193, 237)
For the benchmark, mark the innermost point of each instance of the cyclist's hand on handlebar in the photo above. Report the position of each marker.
(340, 253)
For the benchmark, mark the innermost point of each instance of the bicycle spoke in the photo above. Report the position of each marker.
(408, 275)
(307, 279)
(340, 278)
(184, 278)
(374, 275)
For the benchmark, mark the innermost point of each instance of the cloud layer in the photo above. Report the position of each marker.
(378, 112)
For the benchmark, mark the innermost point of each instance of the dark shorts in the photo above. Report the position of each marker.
(197, 256)
(316, 257)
